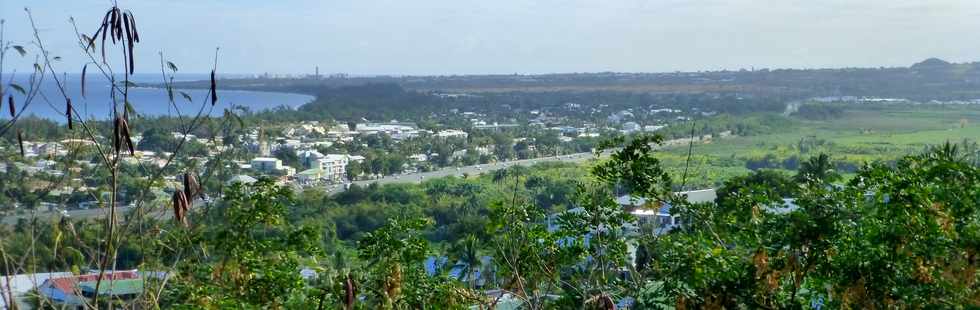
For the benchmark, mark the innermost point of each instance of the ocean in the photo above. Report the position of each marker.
(147, 101)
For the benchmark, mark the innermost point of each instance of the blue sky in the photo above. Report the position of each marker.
(518, 36)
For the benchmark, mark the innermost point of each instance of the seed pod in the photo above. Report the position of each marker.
(105, 31)
(84, 68)
(180, 207)
(128, 138)
(132, 21)
(113, 23)
(191, 187)
(116, 131)
(214, 90)
(606, 303)
(13, 109)
(20, 142)
(68, 112)
(350, 292)
(129, 41)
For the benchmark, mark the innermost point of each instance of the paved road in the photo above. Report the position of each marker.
(333, 189)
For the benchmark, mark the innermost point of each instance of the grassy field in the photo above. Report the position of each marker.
(862, 134)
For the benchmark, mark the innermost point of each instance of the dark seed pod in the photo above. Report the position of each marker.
(132, 21)
(68, 109)
(191, 187)
(113, 24)
(350, 292)
(105, 31)
(180, 207)
(13, 109)
(116, 134)
(214, 90)
(20, 141)
(84, 69)
(606, 303)
(126, 137)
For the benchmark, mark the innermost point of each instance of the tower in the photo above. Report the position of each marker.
(263, 144)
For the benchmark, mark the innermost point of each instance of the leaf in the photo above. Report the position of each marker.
(172, 66)
(57, 58)
(129, 109)
(186, 96)
(20, 50)
(18, 88)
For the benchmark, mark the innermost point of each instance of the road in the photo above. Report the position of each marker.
(334, 189)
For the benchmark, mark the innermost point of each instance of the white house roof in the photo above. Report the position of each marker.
(698, 196)
(241, 178)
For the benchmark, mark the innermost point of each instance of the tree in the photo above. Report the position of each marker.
(818, 169)
(288, 156)
(255, 253)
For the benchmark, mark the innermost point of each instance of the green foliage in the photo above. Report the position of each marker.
(252, 256)
(898, 235)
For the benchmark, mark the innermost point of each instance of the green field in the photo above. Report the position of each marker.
(862, 134)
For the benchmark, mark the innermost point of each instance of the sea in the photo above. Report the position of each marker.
(146, 98)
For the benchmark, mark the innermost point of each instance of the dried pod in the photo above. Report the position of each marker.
(214, 90)
(116, 131)
(84, 68)
(350, 292)
(20, 142)
(191, 187)
(105, 31)
(606, 303)
(13, 109)
(129, 41)
(68, 109)
(180, 207)
(113, 24)
(128, 138)
(132, 21)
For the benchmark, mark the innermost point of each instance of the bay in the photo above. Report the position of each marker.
(147, 101)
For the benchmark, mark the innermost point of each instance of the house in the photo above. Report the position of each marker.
(657, 213)
(75, 291)
(244, 179)
(266, 164)
(271, 165)
(21, 284)
(310, 176)
(451, 133)
(333, 167)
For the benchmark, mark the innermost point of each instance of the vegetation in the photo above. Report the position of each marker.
(814, 209)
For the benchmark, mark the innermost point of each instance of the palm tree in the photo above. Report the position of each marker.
(818, 168)
(466, 254)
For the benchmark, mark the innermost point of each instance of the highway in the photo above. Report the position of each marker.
(417, 177)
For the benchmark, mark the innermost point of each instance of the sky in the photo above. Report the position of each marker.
(439, 37)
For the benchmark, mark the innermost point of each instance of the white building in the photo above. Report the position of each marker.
(332, 167)
(452, 133)
(266, 164)
(271, 165)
